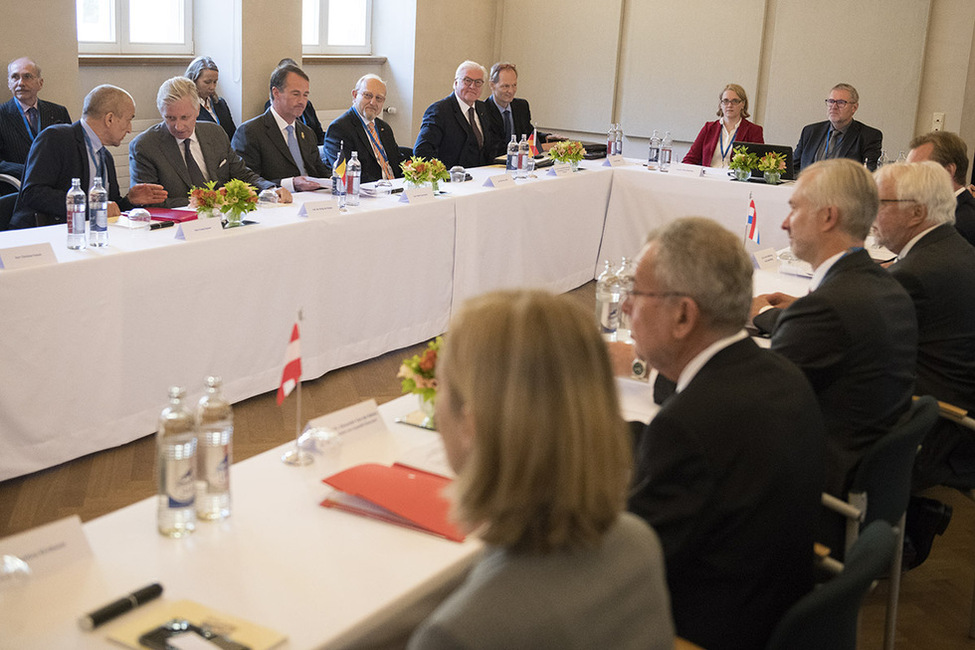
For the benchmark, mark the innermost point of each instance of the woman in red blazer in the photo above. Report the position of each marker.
(713, 145)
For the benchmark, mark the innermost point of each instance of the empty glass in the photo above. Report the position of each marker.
(458, 174)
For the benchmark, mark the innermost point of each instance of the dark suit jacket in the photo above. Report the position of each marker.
(855, 337)
(261, 144)
(225, 119)
(729, 474)
(965, 216)
(860, 143)
(349, 132)
(707, 139)
(58, 155)
(15, 141)
(155, 157)
(310, 119)
(446, 134)
(521, 118)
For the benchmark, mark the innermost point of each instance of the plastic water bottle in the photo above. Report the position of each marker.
(352, 172)
(523, 154)
(611, 140)
(215, 435)
(76, 204)
(608, 302)
(618, 143)
(511, 160)
(653, 157)
(98, 214)
(881, 161)
(176, 467)
(625, 275)
(338, 185)
(666, 152)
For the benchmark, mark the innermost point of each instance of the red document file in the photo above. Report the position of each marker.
(165, 214)
(400, 495)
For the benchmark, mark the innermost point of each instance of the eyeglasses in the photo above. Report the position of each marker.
(26, 76)
(655, 294)
(730, 102)
(477, 83)
(369, 97)
(838, 103)
(898, 200)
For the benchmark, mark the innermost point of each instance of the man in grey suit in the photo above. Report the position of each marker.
(180, 153)
(276, 144)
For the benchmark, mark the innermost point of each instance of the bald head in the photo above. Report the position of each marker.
(109, 110)
(24, 80)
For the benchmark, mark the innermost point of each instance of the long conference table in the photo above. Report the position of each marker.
(89, 345)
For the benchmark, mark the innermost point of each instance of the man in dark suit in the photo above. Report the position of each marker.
(840, 136)
(729, 471)
(937, 268)
(855, 333)
(180, 153)
(65, 151)
(276, 145)
(361, 130)
(457, 129)
(951, 152)
(24, 116)
(510, 115)
(309, 117)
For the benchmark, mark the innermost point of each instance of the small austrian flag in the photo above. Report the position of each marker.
(291, 374)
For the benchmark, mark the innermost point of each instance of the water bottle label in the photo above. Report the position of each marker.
(217, 469)
(511, 164)
(180, 485)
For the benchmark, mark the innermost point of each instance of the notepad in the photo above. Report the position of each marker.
(397, 494)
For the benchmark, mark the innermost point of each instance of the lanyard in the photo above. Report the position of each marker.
(23, 116)
(375, 143)
(726, 150)
(829, 132)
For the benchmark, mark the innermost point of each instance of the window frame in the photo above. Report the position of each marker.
(122, 43)
(324, 48)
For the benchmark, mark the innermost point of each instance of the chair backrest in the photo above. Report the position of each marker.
(9, 184)
(7, 204)
(885, 471)
(827, 616)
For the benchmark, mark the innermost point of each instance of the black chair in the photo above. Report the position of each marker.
(827, 616)
(7, 204)
(881, 489)
(8, 185)
(406, 152)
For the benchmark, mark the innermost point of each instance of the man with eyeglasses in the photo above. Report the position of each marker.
(360, 129)
(840, 136)
(24, 116)
(457, 130)
(937, 268)
(951, 152)
(854, 334)
(729, 471)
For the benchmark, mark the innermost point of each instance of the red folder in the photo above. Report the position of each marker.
(400, 495)
(166, 214)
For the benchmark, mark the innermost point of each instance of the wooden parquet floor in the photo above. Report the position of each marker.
(935, 598)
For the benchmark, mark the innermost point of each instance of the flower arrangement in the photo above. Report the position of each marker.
(772, 162)
(417, 170)
(567, 151)
(206, 199)
(419, 372)
(744, 160)
(239, 198)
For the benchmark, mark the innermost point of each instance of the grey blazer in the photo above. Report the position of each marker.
(155, 157)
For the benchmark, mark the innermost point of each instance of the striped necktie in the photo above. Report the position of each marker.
(379, 152)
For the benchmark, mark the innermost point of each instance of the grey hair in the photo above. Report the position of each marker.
(175, 89)
(926, 182)
(854, 95)
(849, 187)
(470, 64)
(198, 65)
(105, 99)
(699, 258)
(368, 77)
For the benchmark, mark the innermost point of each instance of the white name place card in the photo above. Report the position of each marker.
(615, 160)
(50, 547)
(318, 209)
(500, 180)
(560, 170)
(199, 229)
(766, 260)
(414, 195)
(22, 257)
(362, 417)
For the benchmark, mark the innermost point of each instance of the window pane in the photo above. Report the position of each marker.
(96, 21)
(347, 22)
(156, 21)
(309, 21)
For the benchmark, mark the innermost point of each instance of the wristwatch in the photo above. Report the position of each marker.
(639, 369)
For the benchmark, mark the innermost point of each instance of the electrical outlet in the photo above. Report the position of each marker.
(938, 123)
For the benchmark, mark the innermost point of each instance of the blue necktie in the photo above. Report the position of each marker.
(293, 147)
(32, 119)
(509, 128)
(104, 160)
